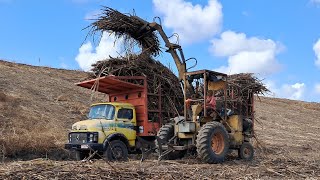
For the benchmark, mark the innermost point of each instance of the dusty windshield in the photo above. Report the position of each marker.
(103, 111)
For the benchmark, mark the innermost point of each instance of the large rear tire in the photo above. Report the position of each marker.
(166, 132)
(116, 151)
(212, 142)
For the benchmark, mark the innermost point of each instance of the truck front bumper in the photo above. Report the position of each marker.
(84, 147)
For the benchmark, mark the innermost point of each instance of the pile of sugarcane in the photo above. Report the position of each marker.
(241, 88)
(160, 81)
(247, 82)
(126, 27)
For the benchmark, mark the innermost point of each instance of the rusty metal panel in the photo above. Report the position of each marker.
(187, 127)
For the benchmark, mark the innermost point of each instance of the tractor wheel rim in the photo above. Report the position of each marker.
(217, 143)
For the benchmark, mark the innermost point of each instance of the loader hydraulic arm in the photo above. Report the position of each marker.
(172, 49)
(180, 63)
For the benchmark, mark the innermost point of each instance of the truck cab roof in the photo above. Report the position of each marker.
(114, 104)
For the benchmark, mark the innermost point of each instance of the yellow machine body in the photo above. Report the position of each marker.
(216, 85)
(235, 126)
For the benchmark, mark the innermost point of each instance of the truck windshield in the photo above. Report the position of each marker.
(103, 111)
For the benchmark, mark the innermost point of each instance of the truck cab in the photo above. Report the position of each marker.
(112, 127)
(106, 122)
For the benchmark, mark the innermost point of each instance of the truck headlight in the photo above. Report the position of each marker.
(93, 137)
(69, 137)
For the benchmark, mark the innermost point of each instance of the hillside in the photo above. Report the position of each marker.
(39, 104)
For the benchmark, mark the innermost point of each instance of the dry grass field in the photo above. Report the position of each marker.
(39, 104)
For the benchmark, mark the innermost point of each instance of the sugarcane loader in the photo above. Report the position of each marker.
(211, 131)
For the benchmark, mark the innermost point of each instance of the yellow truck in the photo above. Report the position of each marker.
(114, 127)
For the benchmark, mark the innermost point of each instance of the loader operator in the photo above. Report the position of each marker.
(210, 103)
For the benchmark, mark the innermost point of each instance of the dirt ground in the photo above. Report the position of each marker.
(39, 104)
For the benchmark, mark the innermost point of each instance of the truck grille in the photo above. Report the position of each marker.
(78, 138)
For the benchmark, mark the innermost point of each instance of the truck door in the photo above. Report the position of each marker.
(125, 123)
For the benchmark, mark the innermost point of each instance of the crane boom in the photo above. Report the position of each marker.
(172, 49)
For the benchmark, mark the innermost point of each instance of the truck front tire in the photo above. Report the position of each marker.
(80, 155)
(116, 151)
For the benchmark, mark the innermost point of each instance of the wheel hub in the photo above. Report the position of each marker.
(117, 152)
(217, 143)
(246, 152)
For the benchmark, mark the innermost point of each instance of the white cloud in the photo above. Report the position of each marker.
(231, 43)
(316, 48)
(290, 91)
(262, 63)
(89, 55)
(317, 88)
(294, 91)
(193, 23)
(315, 2)
(272, 87)
(64, 65)
(253, 54)
(92, 15)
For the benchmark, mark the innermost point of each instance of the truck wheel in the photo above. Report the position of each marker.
(80, 155)
(166, 132)
(212, 142)
(246, 151)
(116, 151)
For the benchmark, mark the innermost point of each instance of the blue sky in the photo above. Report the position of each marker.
(274, 39)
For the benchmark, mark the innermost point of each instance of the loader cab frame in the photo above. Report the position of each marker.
(203, 81)
(227, 97)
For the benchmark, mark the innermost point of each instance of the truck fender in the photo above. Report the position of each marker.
(115, 136)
